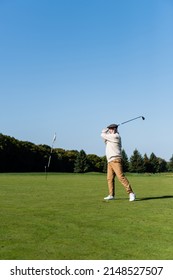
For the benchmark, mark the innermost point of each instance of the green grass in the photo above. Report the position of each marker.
(66, 218)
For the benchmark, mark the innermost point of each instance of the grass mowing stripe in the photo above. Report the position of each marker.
(65, 217)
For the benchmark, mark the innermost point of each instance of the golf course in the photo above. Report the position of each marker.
(64, 217)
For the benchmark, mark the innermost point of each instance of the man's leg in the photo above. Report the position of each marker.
(110, 179)
(116, 165)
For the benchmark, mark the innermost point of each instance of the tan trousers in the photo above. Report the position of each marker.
(114, 168)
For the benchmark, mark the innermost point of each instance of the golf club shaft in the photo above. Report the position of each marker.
(132, 120)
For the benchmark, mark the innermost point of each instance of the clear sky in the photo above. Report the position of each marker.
(75, 66)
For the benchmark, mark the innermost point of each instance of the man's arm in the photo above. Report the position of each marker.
(109, 137)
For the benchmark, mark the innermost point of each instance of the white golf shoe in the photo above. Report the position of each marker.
(132, 196)
(109, 197)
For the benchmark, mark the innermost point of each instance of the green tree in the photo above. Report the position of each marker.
(163, 167)
(147, 165)
(70, 158)
(136, 162)
(103, 164)
(170, 164)
(81, 163)
(125, 161)
(154, 163)
(94, 163)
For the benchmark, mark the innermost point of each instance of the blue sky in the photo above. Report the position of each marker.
(75, 66)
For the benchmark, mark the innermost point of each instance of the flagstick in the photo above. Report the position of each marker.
(48, 164)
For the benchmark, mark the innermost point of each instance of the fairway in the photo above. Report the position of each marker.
(66, 218)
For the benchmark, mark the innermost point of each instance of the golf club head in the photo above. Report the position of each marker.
(143, 118)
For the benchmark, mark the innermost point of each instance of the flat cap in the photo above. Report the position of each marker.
(113, 125)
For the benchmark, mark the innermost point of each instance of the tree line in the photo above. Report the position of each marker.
(24, 156)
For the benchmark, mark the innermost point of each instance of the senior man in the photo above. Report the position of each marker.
(112, 140)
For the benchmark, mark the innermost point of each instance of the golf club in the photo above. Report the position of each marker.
(132, 120)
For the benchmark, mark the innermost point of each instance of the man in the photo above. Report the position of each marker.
(112, 140)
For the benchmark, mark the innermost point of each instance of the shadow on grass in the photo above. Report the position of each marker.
(141, 199)
(154, 197)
